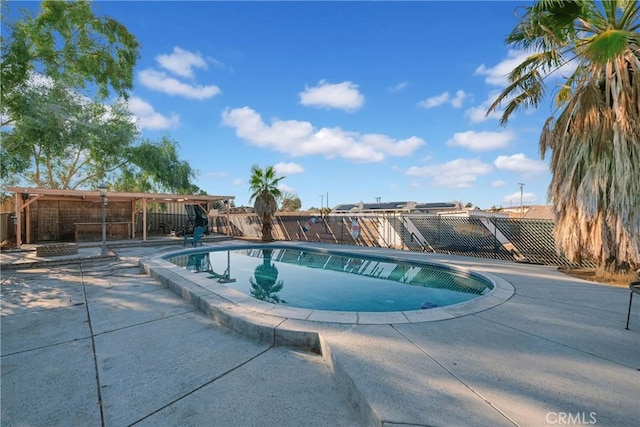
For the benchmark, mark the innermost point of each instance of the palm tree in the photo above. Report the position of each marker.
(265, 192)
(595, 139)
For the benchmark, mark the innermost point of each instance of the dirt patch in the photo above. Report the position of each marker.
(251, 239)
(8, 244)
(590, 275)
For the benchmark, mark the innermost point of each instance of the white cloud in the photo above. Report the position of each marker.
(298, 138)
(218, 63)
(237, 182)
(443, 98)
(459, 99)
(397, 88)
(515, 197)
(520, 163)
(481, 141)
(161, 82)
(288, 168)
(498, 75)
(435, 101)
(344, 96)
(6, 118)
(478, 113)
(285, 188)
(38, 80)
(148, 118)
(498, 183)
(458, 173)
(181, 62)
(391, 146)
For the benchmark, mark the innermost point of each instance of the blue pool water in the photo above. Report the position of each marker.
(332, 281)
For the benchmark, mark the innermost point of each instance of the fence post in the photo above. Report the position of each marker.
(495, 239)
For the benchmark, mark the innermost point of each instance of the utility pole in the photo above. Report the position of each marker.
(321, 201)
(521, 193)
(378, 199)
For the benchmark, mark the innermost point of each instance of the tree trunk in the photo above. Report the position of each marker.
(613, 271)
(267, 236)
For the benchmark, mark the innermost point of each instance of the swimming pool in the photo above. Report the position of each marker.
(336, 281)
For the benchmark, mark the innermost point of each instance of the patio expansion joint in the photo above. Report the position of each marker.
(453, 375)
(146, 322)
(88, 337)
(579, 350)
(203, 385)
(93, 346)
(566, 302)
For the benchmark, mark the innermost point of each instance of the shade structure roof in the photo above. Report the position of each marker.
(54, 194)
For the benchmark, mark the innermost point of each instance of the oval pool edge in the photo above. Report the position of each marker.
(298, 327)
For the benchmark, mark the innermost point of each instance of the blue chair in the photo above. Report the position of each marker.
(198, 232)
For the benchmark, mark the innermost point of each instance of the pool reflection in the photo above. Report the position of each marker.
(201, 263)
(266, 285)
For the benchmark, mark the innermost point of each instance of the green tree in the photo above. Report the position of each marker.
(290, 202)
(265, 193)
(68, 43)
(156, 167)
(54, 136)
(595, 139)
(62, 140)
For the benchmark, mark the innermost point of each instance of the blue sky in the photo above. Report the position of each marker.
(350, 100)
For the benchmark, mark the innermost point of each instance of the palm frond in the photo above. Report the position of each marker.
(604, 47)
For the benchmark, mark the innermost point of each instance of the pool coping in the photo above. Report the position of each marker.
(299, 327)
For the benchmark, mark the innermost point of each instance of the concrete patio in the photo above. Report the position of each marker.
(93, 341)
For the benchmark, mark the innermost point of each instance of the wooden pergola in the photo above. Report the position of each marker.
(26, 196)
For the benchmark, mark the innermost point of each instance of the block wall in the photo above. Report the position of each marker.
(57, 249)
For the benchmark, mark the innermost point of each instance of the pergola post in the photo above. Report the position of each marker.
(18, 220)
(27, 220)
(133, 219)
(144, 219)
